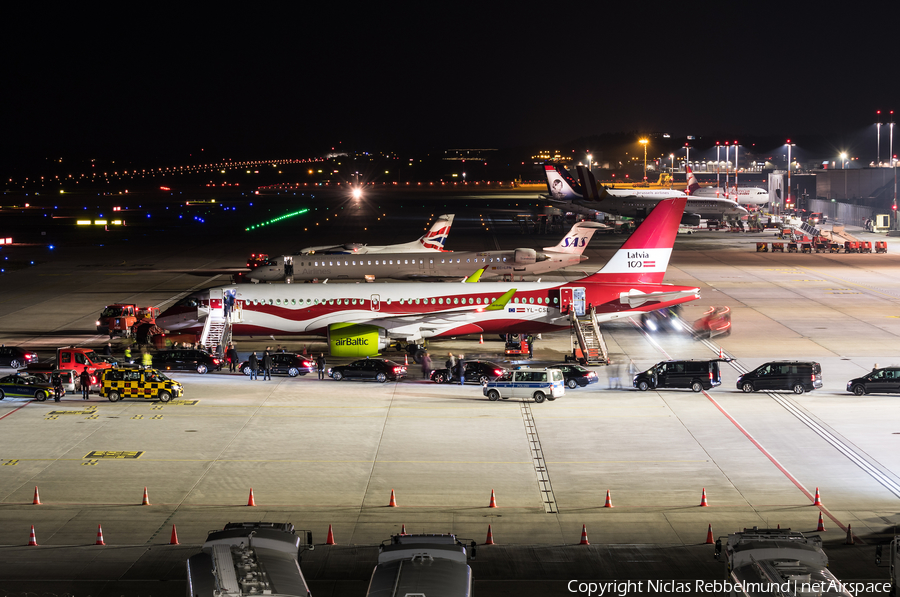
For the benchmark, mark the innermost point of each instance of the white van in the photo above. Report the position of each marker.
(538, 384)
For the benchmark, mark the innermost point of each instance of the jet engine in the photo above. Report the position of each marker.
(354, 340)
(526, 256)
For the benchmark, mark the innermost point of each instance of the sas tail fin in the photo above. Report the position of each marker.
(644, 257)
(561, 184)
(577, 239)
(435, 238)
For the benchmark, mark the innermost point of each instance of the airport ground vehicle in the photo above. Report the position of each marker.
(539, 384)
(147, 384)
(476, 372)
(576, 376)
(71, 382)
(123, 319)
(381, 370)
(664, 320)
(74, 359)
(420, 564)
(696, 375)
(798, 376)
(250, 558)
(716, 321)
(883, 381)
(758, 558)
(284, 363)
(15, 357)
(25, 386)
(185, 360)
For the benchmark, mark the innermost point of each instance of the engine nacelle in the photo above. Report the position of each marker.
(526, 256)
(690, 219)
(353, 340)
(354, 247)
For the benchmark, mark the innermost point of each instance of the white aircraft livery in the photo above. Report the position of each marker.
(362, 319)
(447, 264)
(741, 195)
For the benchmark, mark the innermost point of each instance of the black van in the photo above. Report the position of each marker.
(885, 380)
(798, 376)
(696, 375)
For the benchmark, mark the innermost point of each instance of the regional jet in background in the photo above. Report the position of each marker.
(742, 195)
(433, 240)
(361, 320)
(630, 203)
(440, 265)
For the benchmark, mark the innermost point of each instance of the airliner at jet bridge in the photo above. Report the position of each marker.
(361, 319)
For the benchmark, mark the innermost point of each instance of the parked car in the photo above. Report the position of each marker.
(15, 357)
(185, 360)
(696, 375)
(883, 381)
(576, 376)
(476, 372)
(798, 376)
(538, 384)
(381, 370)
(25, 386)
(71, 381)
(288, 363)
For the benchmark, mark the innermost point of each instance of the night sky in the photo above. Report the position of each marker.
(265, 81)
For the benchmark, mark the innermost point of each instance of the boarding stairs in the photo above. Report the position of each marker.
(587, 340)
(217, 327)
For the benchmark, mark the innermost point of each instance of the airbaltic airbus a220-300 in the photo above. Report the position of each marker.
(361, 320)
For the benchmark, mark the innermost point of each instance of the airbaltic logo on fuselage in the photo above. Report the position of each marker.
(352, 342)
(640, 260)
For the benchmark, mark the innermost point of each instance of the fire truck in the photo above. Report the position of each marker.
(124, 319)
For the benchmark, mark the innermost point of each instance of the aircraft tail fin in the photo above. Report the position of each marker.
(561, 184)
(577, 239)
(692, 184)
(644, 257)
(437, 235)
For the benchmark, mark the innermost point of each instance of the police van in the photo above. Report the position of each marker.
(539, 384)
(147, 384)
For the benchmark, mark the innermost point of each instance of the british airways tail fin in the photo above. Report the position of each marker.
(561, 184)
(577, 239)
(644, 257)
(434, 239)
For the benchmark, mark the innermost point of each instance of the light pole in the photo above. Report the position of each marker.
(644, 143)
(844, 168)
(789, 145)
(672, 171)
(718, 147)
(735, 167)
(687, 159)
(878, 137)
(727, 165)
(590, 162)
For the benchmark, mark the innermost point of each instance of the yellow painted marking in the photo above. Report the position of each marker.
(89, 463)
(156, 417)
(857, 285)
(181, 402)
(113, 454)
(12, 462)
(51, 417)
(156, 407)
(94, 416)
(89, 410)
(137, 417)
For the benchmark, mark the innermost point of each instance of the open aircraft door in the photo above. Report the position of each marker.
(572, 297)
(375, 302)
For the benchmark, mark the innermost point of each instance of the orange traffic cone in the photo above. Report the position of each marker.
(481, 338)
(406, 360)
(703, 501)
(99, 540)
(493, 503)
(393, 502)
(779, 526)
(32, 540)
(251, 501)
(584, 539)
(402, 529)
(608, 503)
(821, 527)
(146, 500)
(490, 537)
(173, 540)
(709, 537)
(817, 501)
(37, 498)
(721, 353)
(329, 540)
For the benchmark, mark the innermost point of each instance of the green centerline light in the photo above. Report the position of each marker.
(278, 219)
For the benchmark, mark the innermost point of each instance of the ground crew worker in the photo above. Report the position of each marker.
(128, 354)
(320, 365)
(461, 370)
(85, 380)
(146, 358)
